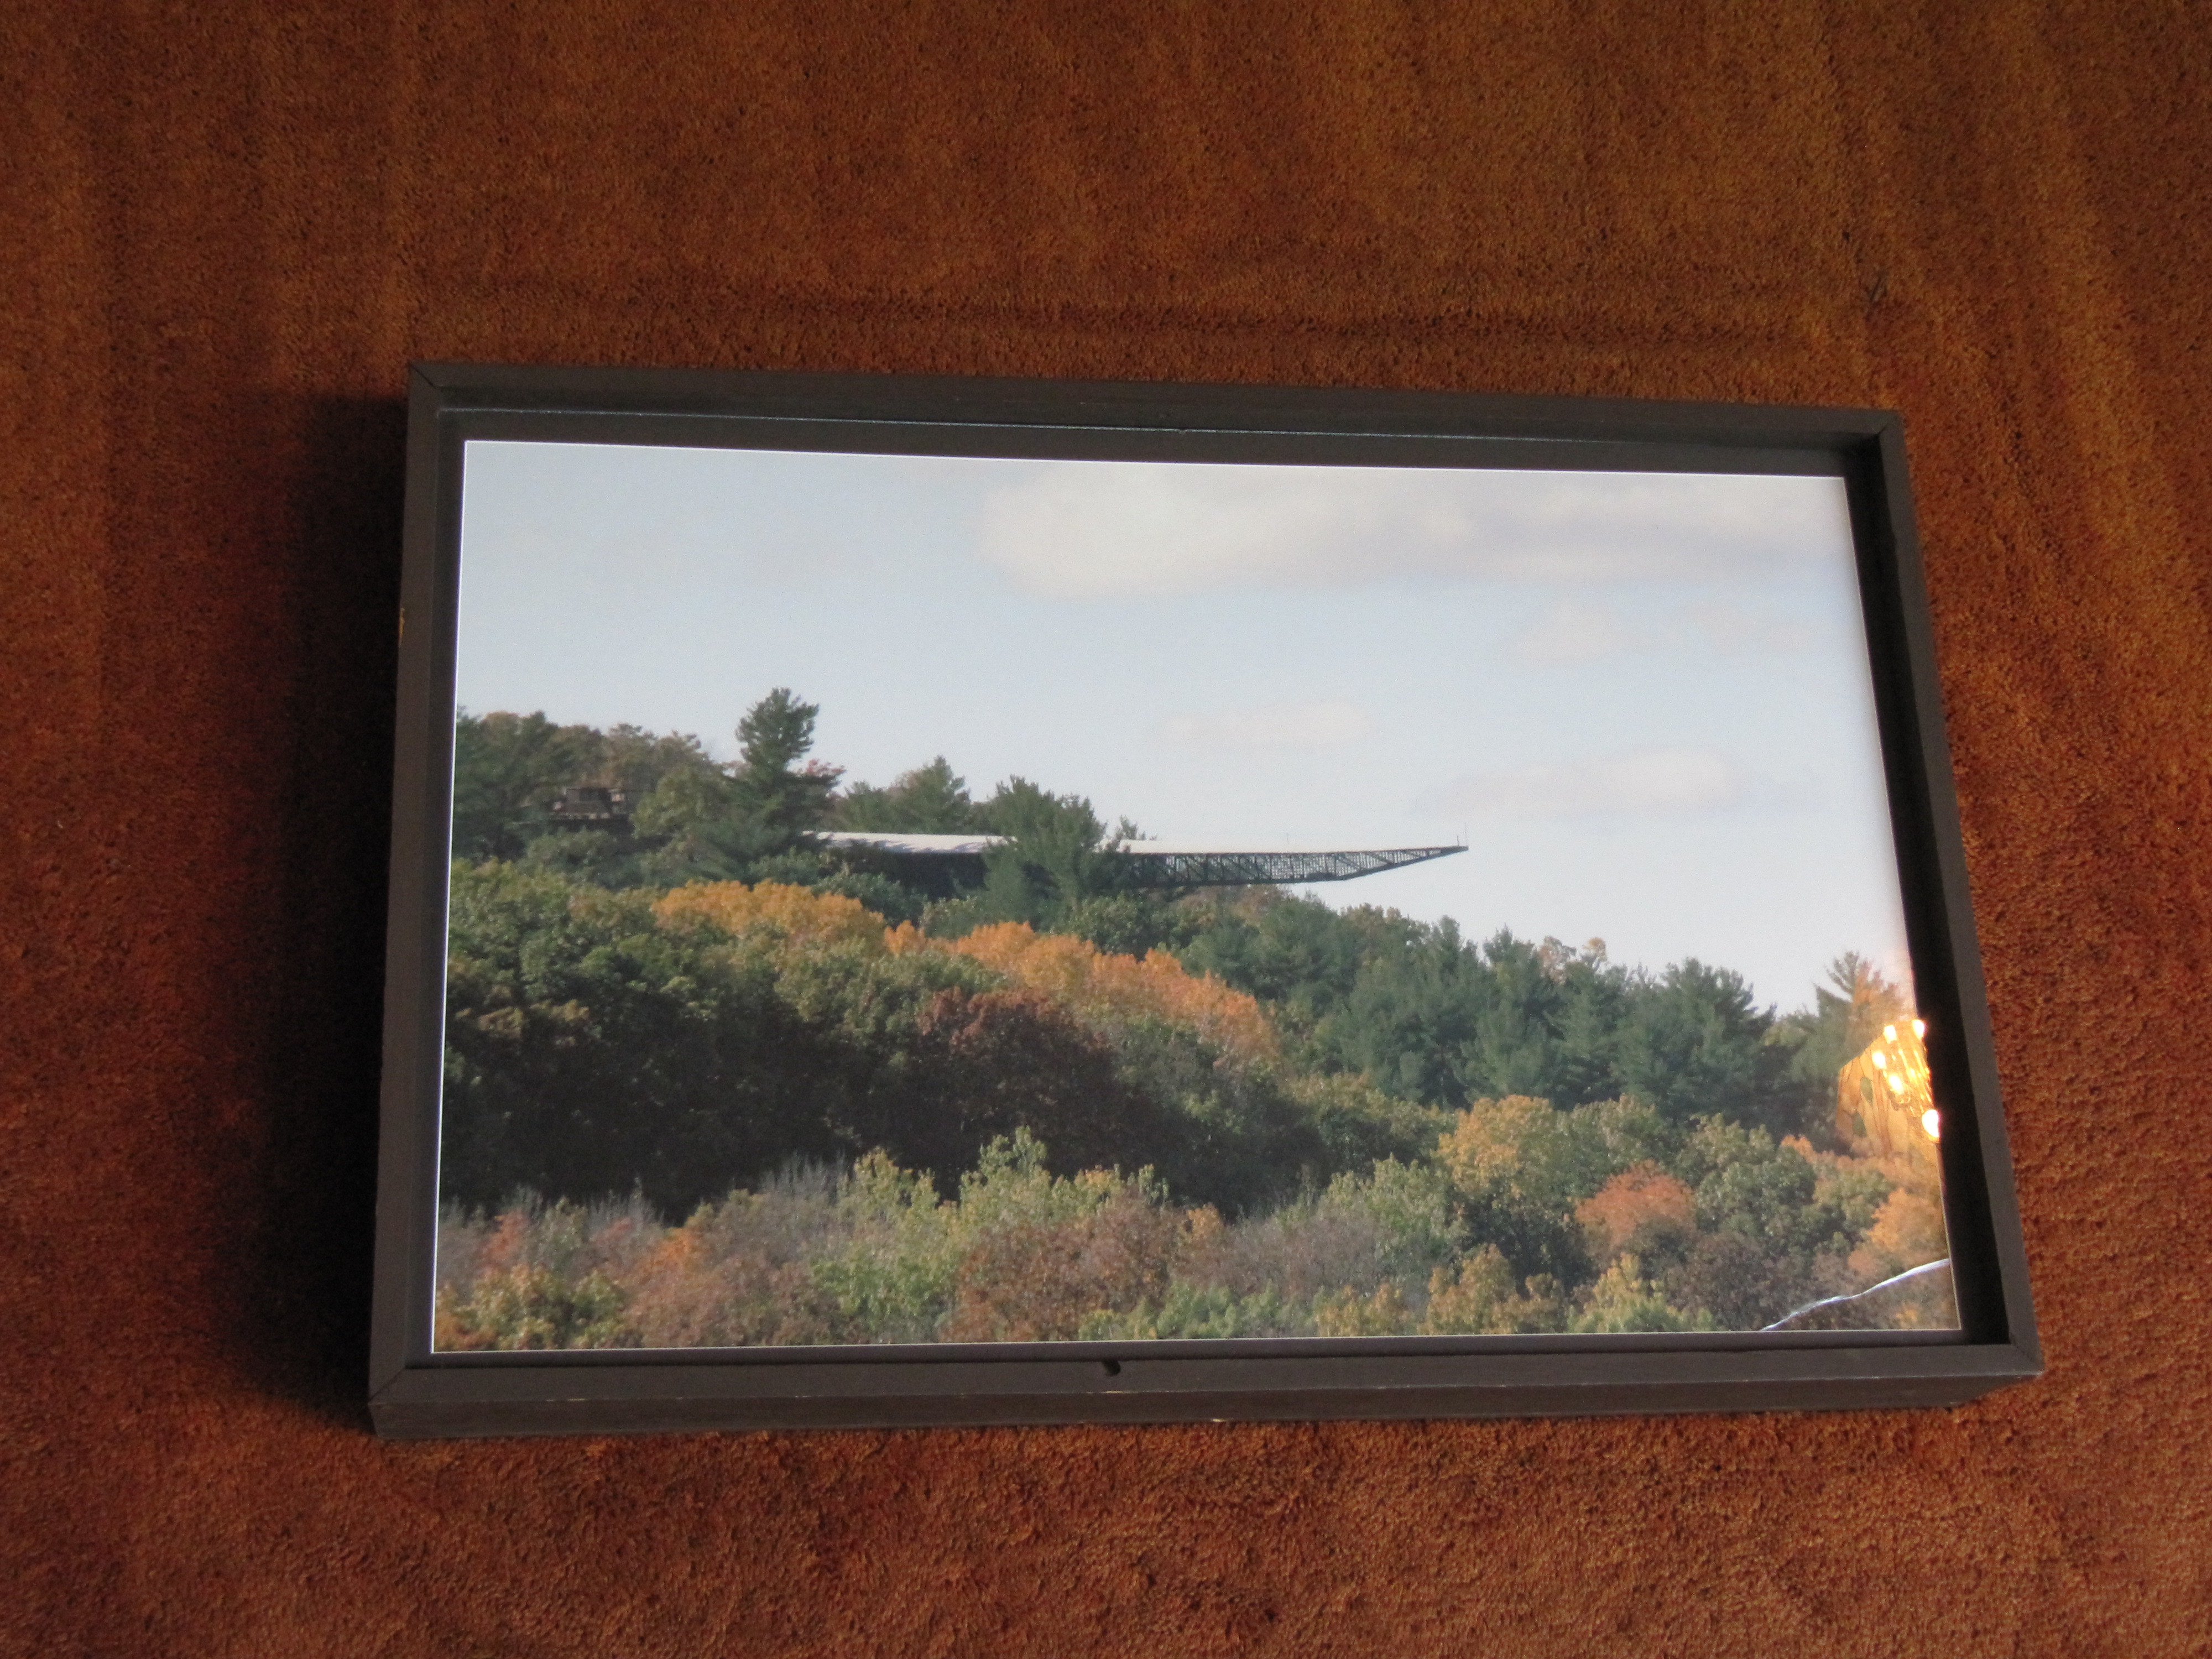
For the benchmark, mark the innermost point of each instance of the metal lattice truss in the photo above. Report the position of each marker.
(1144, 866)
(1161, 864)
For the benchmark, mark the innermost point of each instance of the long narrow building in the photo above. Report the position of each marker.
(1162, 863)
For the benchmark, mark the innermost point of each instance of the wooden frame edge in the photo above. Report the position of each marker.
(411, 1398)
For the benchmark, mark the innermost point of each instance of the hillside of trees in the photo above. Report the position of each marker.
(708, 1082)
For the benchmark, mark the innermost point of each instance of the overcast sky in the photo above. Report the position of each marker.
(1642, 699)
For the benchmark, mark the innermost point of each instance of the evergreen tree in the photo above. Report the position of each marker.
(1694, 1045)
(1051, 859)
(774, 792)
(930, 800)
(507, 769)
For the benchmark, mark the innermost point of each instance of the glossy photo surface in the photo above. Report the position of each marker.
(909, 899)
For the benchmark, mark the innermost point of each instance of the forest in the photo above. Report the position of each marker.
(709, 1081)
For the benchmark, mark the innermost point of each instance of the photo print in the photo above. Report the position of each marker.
(907, 899)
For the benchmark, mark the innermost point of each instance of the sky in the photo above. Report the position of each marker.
(1642, 700)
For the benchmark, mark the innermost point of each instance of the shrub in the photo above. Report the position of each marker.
(890, 1268)
(531, 1307)
(1034, 1281)
(741, 1272)
(1347, 1313)
(541, 1276)
(1622, 1299)
(1192, 1309)
(1484, 1298)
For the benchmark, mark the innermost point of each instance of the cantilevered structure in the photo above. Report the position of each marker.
(1161, 863)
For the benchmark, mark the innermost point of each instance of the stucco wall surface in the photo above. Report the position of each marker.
(229, 227)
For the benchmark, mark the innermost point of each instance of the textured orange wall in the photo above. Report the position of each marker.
(226, 230)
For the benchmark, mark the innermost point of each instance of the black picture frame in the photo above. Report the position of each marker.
(414, 1392)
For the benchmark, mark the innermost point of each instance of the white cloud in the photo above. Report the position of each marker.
(1276, 725)
(1092, 530)
(1642, 782)
(1573, 631)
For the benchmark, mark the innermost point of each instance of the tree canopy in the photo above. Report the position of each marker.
(1225, 1112)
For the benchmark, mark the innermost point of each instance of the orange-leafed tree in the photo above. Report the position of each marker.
(1107, 991)
(1644, 1210)
(786, 912)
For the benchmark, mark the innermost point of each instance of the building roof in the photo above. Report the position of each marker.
(1171, 864)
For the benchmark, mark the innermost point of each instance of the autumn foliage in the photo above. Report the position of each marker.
(1634, 1207)
(1018, 1253)
(874, 1134)
(1108, 990)
(791, 913)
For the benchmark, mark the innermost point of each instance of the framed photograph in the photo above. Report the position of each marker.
(932, 901)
